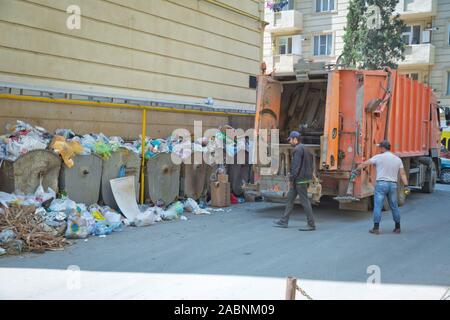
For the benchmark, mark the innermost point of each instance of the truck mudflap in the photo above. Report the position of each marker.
(275, 189)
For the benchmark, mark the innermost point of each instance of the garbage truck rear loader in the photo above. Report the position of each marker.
(342, 115)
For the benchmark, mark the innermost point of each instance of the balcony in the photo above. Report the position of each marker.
(418, 55)
(416, 9)
(284, 22)
(284, 64)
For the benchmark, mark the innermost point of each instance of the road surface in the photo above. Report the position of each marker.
(243, 242)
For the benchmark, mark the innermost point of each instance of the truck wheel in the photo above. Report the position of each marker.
(431, 178)
(401, 196)
(445, 176)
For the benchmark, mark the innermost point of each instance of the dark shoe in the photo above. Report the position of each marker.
(307, 228)
(375, 231)
(397, 230)
(280, 224)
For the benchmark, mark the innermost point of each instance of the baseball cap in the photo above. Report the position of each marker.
(294, 134)
(385, 144)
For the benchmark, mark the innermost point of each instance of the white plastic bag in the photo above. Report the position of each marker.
(145, 218)
(62, 205)
(6, 198)
(170, 214)
(192, 206)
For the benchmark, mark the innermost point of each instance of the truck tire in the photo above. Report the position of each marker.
(431, 177)
(445, 176)
(401, 196)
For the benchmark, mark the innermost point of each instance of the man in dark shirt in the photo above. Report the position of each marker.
(300, 176)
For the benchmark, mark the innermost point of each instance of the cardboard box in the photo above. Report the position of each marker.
(222, 177)
(220, 194)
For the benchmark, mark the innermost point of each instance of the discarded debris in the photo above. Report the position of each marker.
(29, 229)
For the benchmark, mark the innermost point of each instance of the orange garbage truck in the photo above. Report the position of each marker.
(342, 115)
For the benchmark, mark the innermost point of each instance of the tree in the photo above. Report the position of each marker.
(367, 48)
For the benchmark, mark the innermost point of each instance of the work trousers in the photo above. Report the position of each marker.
(302, 191)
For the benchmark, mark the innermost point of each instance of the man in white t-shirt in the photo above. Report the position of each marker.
(388, 166)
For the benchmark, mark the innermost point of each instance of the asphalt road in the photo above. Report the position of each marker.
(244, 242)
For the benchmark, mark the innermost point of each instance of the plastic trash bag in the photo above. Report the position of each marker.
(102, 149)
(77, 226)
(66, 133)
(145, 218)
(67, 149)
(6, 198)
(6, 236)
(169, 214)
(41, 196)
(102, 228)
(114, 220)
(178, 207)
(97, 214)
(158, 211)
(63, 205)
(192, 206)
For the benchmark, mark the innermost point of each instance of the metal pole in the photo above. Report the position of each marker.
(291, 287)
(144, 134)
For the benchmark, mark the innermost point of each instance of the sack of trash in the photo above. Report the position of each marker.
(113, 219)
(78, 226)
(102, 228)
(145, 218)
(62, 204)
(174, 211)
(191, 205)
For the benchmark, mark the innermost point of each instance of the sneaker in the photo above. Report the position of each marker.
(375, 231)
(307, 228)
(280, 224)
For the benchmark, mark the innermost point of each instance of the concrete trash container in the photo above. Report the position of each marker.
(131, 164)
(82, 181)
(162, 181)
(24, 174)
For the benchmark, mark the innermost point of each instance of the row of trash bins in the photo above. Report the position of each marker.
(88, 181)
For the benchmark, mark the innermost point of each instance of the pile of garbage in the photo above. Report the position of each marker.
(22, 138)
(175, 211)
(42, 221)
(22, 230)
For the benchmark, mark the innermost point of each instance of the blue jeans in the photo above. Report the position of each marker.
(383, 189)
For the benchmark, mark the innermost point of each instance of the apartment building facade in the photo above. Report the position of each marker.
(309, 29)
(314, 29)
(180, 51)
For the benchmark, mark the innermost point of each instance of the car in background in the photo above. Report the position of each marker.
(445, 171)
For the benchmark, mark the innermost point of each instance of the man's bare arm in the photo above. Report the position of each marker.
(403, 176)
(363, 165)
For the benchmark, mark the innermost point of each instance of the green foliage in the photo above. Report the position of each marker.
(373, 49)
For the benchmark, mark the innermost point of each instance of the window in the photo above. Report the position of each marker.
(411, 35)
(448, 83)
(413, 75)
(252, 82)
(408, 5)
(448, 34)
(324, 5)
(323, 44)
(285, 45)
